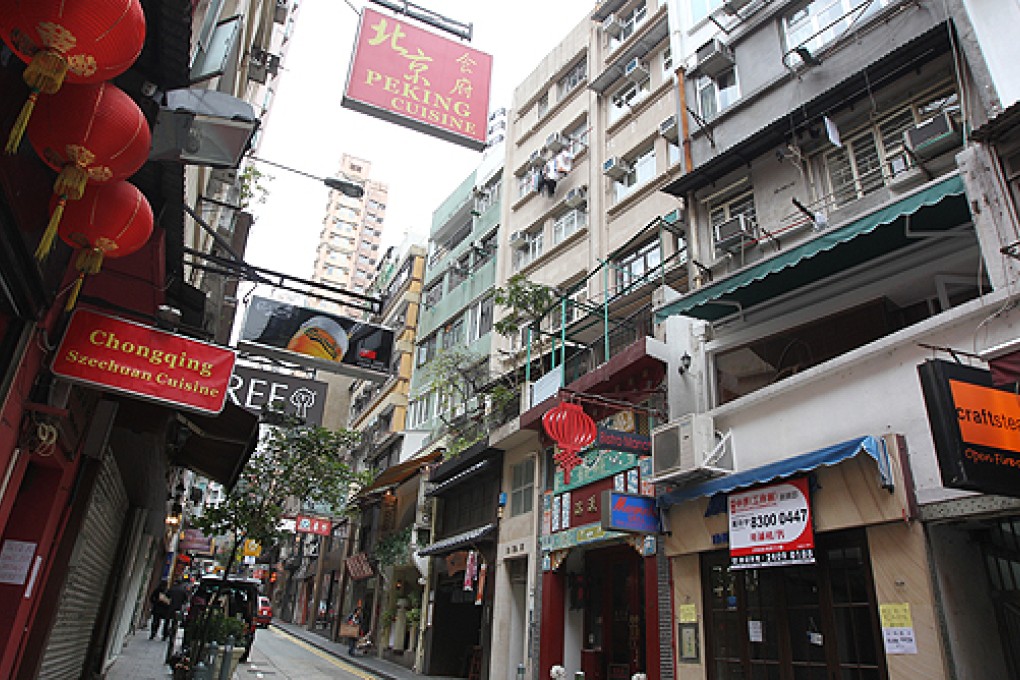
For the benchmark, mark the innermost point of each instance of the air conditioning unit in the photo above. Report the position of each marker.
(732, 6)
(933, 137)
(556, 142)
(518, 237)
(576, 197)
(667, 128)
(713, 58)
(536, 159)
(735, 232)
(684, 450)
(615, 167)
(613, 26)
(635, 71)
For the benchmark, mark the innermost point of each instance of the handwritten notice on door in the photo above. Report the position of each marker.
(15, 559)
(897, 628)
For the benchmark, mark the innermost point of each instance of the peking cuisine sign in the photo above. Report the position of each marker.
(408, 76)
(141, 361)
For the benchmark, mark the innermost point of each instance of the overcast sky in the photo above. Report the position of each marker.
(307, 129)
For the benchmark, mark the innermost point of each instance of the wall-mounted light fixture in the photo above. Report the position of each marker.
(685, 363)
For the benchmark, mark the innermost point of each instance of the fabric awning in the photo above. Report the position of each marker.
(219, 446)
(935, 208)
(1005, 368)
(787, 467)
(462, 540)
(399, 473)
(459, 478)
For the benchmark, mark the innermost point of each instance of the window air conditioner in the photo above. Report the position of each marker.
(576, 197)
(518, 238)
(635, 71)
(713, 58)
(556, 142)
(667, 128)
(733, 233)
(536, 159)
(933, 137)
(613, 26)
(615, 167)
(684, 450)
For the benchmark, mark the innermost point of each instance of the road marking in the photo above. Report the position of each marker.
(354, 670)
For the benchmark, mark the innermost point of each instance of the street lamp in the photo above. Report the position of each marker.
(345, 186)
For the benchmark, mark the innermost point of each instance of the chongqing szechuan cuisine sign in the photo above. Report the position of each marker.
(141, 361)
(405, 75)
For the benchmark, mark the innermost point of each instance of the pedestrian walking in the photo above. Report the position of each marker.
(354, 626)
(159, 607)
(178, 593)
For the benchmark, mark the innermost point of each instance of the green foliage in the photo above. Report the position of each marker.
(413, 616)
(394, 549)
(220, 627)
(524, 301)
(311, 464)
(253, 185)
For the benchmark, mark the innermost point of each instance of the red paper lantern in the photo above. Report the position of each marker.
(572, 429)
(110, 220)
(89, 134)
(86, 41)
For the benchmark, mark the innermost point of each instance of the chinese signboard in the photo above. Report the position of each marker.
(629, 512)
(313, 525)
(771, 526)
(976, 428)
(194, 541)
(141, 361)
(406, 75)
(253, 389)
(315, 338)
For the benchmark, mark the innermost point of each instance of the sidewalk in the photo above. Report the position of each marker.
(141, 659)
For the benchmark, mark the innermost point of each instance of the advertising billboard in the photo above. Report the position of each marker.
(253, 389)
(976, 428)
(128, 357)
(315, 338)
(771, 526)
(406, 75)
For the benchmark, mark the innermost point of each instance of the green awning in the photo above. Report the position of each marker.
(938, 207)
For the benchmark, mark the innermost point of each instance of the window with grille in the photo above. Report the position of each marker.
(642, 170)
(629, 21)
(634, 268)
(522, 487)
(577, 74)
(717, 94)
(567, 224)
(822, 22)
(527, 253)
(626, 98)
(726, 209)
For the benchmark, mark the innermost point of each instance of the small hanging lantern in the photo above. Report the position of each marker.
(572, 429)
(89, 134)
(84, 41)
(109, 221)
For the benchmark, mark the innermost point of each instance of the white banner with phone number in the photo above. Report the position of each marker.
(771, 526)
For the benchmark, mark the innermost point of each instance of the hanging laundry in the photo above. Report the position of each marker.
(470, 570)
(564, 162)
(481, 583)
(550, 175)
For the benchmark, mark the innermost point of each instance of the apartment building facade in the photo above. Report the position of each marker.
(849, 219)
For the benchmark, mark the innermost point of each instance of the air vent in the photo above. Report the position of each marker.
(734, 233)
(933, 137)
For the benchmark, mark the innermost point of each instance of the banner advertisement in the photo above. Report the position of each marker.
(771, 526)
(314, 338)
(406, 75)
(141, 361)
(314, 525)
(629, 512)
(193, 541)
(253, 389)
(976, 428)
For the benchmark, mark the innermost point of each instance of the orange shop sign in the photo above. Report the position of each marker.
(409, 76)
(127, 357)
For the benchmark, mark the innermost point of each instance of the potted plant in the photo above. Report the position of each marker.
(220, 628)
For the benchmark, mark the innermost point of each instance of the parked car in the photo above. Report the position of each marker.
(235, 596)
(265, 614)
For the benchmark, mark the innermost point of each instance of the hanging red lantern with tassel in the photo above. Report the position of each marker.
(82, 41)
(572, 429)
(89, 134)
(109, 221)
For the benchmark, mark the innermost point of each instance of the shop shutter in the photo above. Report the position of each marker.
(88, 572)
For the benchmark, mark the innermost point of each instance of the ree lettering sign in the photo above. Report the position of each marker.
(253, 389)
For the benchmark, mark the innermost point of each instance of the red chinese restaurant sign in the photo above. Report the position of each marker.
(313, 525)
(141, 361)
(771, 526)
(406, 75)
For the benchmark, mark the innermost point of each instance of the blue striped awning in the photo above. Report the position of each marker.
(787, 467)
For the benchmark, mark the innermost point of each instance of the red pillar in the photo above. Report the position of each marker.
(553, 621)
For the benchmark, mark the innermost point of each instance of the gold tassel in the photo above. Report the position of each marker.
(89, 261)
(50, 235)
(18, 131)
(46, 71)
(71, 181)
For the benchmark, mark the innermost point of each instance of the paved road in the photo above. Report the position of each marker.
(279, 656)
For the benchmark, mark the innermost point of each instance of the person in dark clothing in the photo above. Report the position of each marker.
(354, 619)
(159, 607)
(177, 594)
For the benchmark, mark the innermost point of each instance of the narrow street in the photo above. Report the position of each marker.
(277, 655)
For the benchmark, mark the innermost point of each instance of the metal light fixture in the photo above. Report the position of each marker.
(345, 186)
(685, 363)
(203, 127)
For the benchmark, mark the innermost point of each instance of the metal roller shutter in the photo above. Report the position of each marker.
(88, 573)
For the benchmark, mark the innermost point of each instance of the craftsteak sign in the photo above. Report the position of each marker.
(771, 526)
(141, 361)
(976, 428)
(406, 75)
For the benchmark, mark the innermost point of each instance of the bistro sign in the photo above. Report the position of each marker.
(976, 428)
(141, 361)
